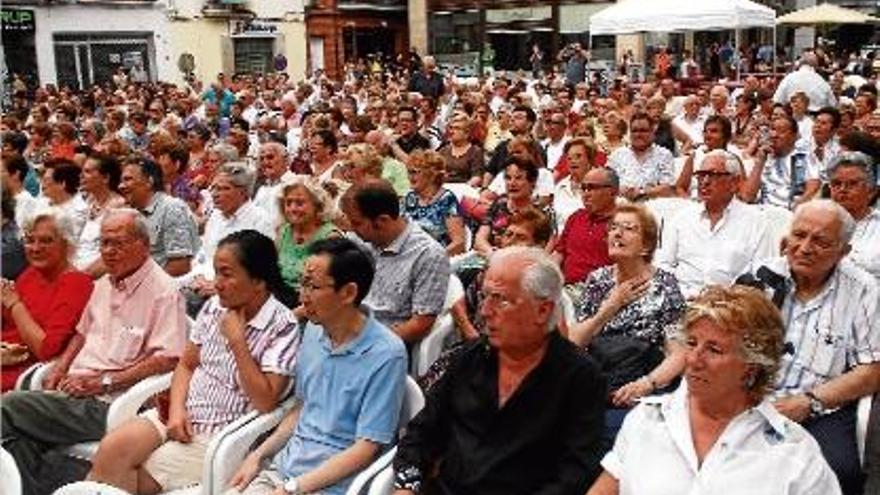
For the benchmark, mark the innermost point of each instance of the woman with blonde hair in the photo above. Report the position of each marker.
(432, 206)
(719, 432)
(307, 210)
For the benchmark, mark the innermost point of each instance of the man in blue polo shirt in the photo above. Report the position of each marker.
(350, 377)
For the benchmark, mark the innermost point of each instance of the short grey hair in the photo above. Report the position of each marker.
(854, 159)
(240, 174)
(141, 228)
(732, 165)
(323, 202)
(847, 222)
(226, 151)
(63, 225)
(273, 145)
(541, 279)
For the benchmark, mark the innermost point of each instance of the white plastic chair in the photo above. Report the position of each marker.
(778, 222)
(567, 309)
(431, 346)
(462, 190)
(863, 416)
(383, 483)
(124, 408)
(10, 478)
(33, 376)
(89, 488)
(413, 402)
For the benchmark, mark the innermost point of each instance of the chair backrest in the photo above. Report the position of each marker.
(413, 402)
(778, 222)
(89, 488)
(10, 478)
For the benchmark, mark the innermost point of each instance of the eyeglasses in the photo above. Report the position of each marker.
(847, 184)
(307, 285)
(115, 244)
(625, 227)
(496, 299)
(710, 175)
(587, 186)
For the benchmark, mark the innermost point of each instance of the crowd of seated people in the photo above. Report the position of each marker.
(261, 239)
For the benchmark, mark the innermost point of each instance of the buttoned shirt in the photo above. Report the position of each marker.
(218, 226)
(554, 151)
(866, 244)
(216, 397)
(823, 156)
(567, 199)
(173, 230)
(412, 275)
(836, 330)
(784, 177)
(760, 452)
(350, 392)
(700, 254)
(267, 199)
(692, 127)
(653, 168)
(128, 320)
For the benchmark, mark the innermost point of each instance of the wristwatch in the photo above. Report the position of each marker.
(817, 408)
(292, 487)
(106, 383)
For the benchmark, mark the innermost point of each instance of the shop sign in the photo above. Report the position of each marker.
(254, 28)
(18, 21)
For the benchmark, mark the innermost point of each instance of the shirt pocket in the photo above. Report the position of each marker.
(127, 344)
(829, 354)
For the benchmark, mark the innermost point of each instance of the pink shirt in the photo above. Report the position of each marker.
(126, 321)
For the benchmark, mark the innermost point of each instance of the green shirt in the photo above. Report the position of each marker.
(292, 256)
(395, 172)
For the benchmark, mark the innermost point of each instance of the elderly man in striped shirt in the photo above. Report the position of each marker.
(239, 357)
(832, 323)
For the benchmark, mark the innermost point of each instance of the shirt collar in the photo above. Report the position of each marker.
(264, 316)
(151, 206)
(130, 283)
(397, 244)
(360, 344)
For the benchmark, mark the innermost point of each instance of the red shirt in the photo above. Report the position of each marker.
(54, 305)
(583, 246)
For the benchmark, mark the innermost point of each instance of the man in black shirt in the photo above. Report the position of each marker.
(408, 138)
(428, 81)
(519, 412)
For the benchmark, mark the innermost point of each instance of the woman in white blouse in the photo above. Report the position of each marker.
(719, 433)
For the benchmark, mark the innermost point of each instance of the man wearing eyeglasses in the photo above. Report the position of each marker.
(519, 411)
(715, 240)
(852, 186)
(832, 332)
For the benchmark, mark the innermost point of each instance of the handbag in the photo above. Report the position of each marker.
(623, 358)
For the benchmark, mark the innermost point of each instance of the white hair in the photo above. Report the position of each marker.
(240, 174)
(540, 279)
(324, 204)
(847, 223)
(63, 223)
(732, 165)
(141, 229)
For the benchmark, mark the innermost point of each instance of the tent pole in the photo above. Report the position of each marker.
(773, 69)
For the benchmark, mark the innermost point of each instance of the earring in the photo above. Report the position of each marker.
(749, 381)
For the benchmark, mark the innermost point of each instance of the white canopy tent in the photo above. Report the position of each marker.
(636, 16)
(641, 16)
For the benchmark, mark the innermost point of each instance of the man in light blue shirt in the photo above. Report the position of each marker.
(350, 378)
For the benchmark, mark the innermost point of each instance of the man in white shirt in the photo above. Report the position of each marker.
(825, 146)
(554, 144)
(12, 175)
(691, 121)
(783, 175)
(832, 332)
(645, 169)
(852, 186)
(233, 211)
(807, 80)
(273, 170)
(715, 241)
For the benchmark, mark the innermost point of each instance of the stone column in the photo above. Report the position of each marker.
(417, 10)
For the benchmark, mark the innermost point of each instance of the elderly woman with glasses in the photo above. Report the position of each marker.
(626, 313)
(43, 305)
(853, 186)
(719, 432)
(432, 206)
